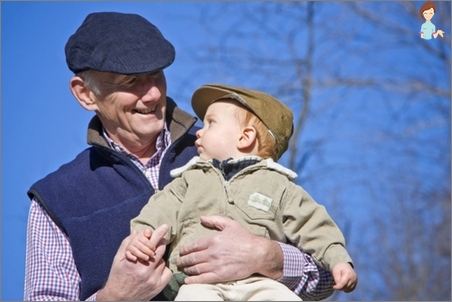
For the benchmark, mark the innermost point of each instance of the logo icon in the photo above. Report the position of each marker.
(428, 29)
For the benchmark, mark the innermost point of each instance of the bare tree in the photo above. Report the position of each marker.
(372, 124)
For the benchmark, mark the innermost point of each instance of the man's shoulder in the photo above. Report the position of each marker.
(69, 170)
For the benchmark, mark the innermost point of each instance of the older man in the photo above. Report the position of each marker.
(79, 216)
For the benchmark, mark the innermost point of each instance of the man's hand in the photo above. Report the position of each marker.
(345, 277)
(137, 280)
(233, 253)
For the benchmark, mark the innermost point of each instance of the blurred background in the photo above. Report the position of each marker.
(372, 117)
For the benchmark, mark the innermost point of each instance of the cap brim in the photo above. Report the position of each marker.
(206, 95)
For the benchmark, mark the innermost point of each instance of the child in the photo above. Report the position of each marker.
(236, 175)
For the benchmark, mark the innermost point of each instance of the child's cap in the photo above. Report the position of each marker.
(275, 115)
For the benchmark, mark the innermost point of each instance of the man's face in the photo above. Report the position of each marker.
(132, 108)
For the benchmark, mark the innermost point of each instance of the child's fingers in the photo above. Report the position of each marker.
(339, 279)
(144, 242)
(344, 281)
(351, 284)
(147, 233)
(144, 247)
(339, 284)
(349, 287)
(130, 256)
(140, 255)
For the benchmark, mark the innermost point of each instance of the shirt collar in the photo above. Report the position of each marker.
(163, 141)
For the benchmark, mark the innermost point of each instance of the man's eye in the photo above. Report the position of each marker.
(128, 85)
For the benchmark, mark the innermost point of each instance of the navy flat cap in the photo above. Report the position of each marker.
(118, 43)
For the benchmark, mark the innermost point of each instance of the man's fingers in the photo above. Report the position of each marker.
(204, 278)
(158, 235)
(192, 247)
(166, 275)
(197, 269)
(217, 222)
(159, 252)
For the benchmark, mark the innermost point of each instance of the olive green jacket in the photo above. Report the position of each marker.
(261, 197)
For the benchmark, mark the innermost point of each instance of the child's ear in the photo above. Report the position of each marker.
(82, 93)
(248, 137)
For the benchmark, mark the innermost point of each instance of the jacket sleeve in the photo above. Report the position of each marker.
(162, 207)
(308, 225)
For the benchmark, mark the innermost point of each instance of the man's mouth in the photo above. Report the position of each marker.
(145, 111)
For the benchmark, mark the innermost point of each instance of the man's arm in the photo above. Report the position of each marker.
(303, 276)
(51, 274)
(137, 280)
(50, 271)
(235, 253)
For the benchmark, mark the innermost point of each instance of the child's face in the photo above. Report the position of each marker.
(221, 132)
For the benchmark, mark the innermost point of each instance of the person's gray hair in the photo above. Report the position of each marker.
(92, 81)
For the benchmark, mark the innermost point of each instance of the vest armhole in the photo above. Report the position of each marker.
(33, 193)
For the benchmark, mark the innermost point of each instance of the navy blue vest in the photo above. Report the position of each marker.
(94, 197)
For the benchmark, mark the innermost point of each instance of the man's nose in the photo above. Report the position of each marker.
(149, 90)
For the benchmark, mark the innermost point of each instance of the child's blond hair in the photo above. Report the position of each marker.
(266, 143)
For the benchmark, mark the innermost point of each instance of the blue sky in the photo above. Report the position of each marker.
(42, 125)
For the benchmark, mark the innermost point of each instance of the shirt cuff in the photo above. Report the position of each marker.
(292, 266)
(293, 261)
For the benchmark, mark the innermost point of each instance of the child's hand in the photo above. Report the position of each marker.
(345, 277)
(141, 247)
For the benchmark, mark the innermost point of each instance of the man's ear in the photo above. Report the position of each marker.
(82, 93)
(248, 138)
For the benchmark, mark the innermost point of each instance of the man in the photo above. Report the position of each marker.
(79, 216)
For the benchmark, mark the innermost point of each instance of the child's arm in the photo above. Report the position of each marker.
(140, 247)
(345, 277)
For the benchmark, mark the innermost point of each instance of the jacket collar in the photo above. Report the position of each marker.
(254, 161)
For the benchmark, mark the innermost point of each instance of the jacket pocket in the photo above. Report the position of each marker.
(259, 205)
